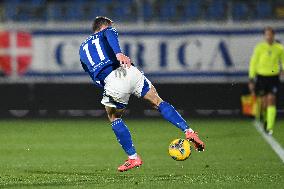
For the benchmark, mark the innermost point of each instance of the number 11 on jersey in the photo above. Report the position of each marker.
(98, 48)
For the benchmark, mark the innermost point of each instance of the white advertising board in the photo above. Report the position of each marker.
(164, 55)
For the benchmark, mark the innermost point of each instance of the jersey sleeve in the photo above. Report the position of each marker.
(112, 38)
(253, 63)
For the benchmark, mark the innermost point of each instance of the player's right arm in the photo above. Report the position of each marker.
(252, 68)
(112, 38)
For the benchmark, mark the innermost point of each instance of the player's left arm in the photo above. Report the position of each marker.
(112, 38)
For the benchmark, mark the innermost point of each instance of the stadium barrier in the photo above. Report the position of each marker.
(83, 100)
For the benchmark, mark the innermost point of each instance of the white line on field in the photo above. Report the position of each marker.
(270, 140)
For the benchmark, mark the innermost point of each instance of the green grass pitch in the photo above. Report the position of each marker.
(85, 154)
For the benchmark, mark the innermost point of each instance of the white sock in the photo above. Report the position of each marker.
(190, 130)
(134, 156)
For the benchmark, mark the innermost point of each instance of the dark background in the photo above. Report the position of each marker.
(81, 100)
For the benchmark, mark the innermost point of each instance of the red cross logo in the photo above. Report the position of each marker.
(15, 52)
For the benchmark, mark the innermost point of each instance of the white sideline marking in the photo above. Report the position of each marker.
(270, 140)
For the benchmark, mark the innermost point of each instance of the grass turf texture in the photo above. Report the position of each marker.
(279, 132)
(85, 154)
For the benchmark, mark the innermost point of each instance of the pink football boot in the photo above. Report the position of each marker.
(130, 163)
(193, 137)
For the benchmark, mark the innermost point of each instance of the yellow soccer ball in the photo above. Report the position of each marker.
(179, 149)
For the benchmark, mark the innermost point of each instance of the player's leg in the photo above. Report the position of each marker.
(169, 113)
(123, 136)
(260, 90)
(117, 91)
(121, 130)
(272, 86)
(271, 112)
(114, 113)
(263, 109)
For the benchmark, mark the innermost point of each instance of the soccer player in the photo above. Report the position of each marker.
(110, 69)
(264, 71)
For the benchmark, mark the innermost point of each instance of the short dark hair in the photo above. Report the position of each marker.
(268, 28)
(100, 21)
